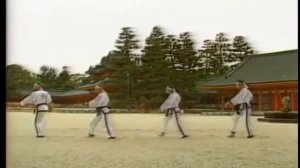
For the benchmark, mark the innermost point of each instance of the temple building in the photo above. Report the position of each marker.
(99, 74)
(73, 96)
(270, 77)
(103, 76)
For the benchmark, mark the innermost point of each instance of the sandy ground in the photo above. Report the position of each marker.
(139, 146)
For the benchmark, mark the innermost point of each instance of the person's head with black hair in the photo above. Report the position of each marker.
(170, 89)
(98, 89)
(240, 84)
(37, 86)
(240, 81)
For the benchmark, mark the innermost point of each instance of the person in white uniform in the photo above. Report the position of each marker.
(171, 107)
(103, 112)
(241, 104)
(42, 101)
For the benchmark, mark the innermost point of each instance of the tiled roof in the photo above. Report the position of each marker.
(269, 67)
(59, 93)
(103, 82)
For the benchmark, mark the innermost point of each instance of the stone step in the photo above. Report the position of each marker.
(278, 120)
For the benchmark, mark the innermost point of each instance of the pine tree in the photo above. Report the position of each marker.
(155, 51)
(47, 77)
(207, 57)
(155, 70)
(126, 44)
(187, 53)
(63, 80)
(18, 78)
(222, 52)
(241, 49)
(172, 51)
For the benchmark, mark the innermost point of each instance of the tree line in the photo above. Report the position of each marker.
(170, 60)
(20, 79)
(145, 71)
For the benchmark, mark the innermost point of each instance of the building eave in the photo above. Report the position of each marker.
(261, 85)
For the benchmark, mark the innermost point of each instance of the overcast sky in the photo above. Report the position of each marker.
(77, 33)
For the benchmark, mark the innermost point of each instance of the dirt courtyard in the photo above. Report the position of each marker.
(139, 146)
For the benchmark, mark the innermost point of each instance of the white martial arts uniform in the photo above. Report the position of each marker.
(243, 98)
(41, 99)
(171, 106)
(101, 105)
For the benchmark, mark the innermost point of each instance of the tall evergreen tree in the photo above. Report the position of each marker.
(18, 78)
(127, 42)
(241, 49)
(47, 77)
(121, 62)
(207, 58)
(63, 80)
(222, 52)
(215, 53)
(187, 54)
(155, 51)
(172, 51)
(126, 45)
(156, 69)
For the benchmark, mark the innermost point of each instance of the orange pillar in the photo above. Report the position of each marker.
(222, 102)
(294, 100)
(259, 100)
(276, 100)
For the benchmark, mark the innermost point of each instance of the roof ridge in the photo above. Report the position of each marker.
(238, 67)
(257, 68)
(256, 55)
(276, 52)
(61, 90)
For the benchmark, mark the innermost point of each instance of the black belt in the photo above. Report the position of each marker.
(170, 111)
(99, 110)
(37, 109)
(237, 107)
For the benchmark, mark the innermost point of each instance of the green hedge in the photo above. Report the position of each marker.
(287, 115)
